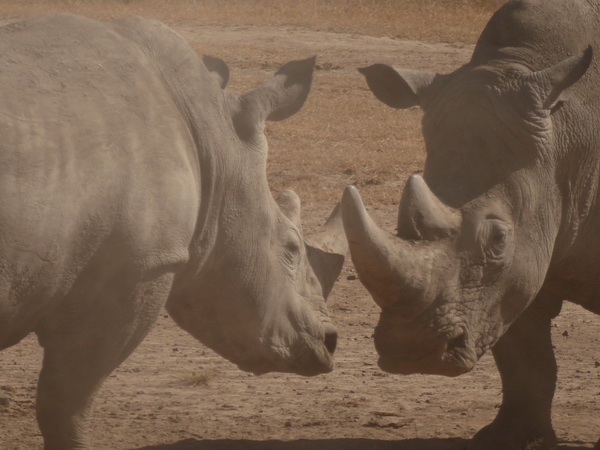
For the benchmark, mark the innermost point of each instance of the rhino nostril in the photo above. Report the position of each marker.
(331, 341)
(458, 341)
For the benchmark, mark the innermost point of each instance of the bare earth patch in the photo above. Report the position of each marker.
(173, 393)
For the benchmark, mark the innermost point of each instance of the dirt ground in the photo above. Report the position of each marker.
(173, 393)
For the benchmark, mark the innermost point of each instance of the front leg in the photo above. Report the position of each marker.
(527, 366)
(83, 344)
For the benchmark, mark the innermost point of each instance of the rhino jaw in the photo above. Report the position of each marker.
(315, 356)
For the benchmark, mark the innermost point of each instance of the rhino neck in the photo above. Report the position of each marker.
(226, 172)
(234, 207)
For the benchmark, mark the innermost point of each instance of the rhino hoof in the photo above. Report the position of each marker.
(493, 437)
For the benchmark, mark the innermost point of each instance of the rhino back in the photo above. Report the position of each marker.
(95, 158)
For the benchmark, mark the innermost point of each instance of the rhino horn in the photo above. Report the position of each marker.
(396, 272)
(326, 250)
(290, 205)
(422, 215)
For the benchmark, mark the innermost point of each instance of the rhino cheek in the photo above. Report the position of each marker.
(512, 291)
(208, 325)
(262, 325)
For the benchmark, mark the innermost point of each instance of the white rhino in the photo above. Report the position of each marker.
(131, 180)
(503, 224)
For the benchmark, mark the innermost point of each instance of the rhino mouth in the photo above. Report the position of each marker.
(314, 356)
(315, 365)
(450, 356)
(307, 356)
(459, 354)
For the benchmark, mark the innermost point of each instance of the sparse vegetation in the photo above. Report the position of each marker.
(198, 379)
(431, 20)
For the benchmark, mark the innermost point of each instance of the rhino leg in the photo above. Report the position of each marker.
(527, 366)
(83, 346)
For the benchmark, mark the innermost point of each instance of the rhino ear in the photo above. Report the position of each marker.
(398, 88)
(555, 80)
(289, 204)
(281, 96)
(218, 69)
(326, 250)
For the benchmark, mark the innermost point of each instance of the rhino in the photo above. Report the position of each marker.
(132, 180)
(499, 228)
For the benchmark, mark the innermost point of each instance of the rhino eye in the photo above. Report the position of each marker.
(498, 235)
(496, 238)
(291, 247)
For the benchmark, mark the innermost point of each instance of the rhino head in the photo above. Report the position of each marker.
(477, 231)
(256, 286)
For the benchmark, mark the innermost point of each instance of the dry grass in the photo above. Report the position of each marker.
(198, 379)
(431, 20)
(345, 136)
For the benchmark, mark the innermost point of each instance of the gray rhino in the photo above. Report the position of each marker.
(500, 227)
(132, 180)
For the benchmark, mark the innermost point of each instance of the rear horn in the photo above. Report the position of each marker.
(422, 216)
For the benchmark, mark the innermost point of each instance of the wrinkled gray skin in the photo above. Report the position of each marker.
(503, 224)
(131, 180)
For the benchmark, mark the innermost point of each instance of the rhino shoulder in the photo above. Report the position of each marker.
(168, 51)
(148, 32)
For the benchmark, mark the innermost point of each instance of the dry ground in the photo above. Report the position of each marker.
(172, 393)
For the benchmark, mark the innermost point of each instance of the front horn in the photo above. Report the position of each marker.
(396, 273)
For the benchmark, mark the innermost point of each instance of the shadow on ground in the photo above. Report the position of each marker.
(312, 444)
(329, 444)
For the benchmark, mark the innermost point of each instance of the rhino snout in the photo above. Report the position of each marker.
(307, 356)
(309, 353)
(315, 357)
(331, 336)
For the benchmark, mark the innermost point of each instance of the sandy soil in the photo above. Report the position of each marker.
(149, 403)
